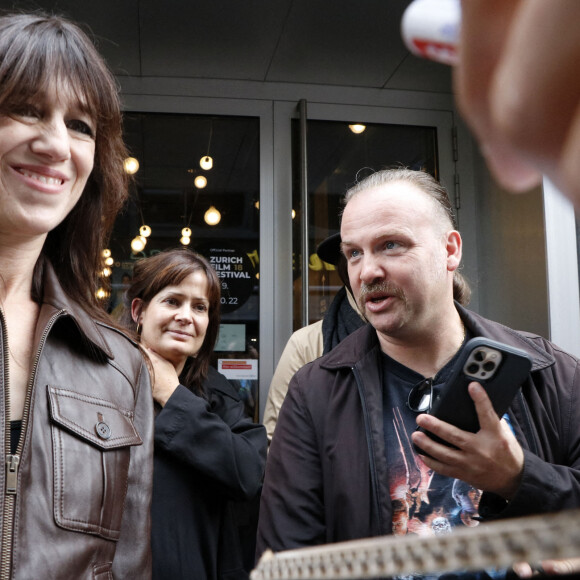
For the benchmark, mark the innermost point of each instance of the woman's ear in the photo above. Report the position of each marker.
(136, 308)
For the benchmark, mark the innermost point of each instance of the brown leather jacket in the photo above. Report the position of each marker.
(75, 498)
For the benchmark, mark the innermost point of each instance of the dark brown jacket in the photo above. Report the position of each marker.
(327, 474)
(78, 504)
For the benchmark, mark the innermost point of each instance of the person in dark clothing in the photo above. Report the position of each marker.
(208, 455)
(342, 465)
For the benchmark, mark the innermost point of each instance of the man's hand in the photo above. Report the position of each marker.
(549, 568)
(490, 460)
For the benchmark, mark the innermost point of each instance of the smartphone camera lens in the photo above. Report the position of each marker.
(489, 366)
(479, 355)
(473, 369)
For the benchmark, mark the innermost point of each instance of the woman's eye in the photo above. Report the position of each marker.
(27, 111)
(82, 127)
(201, 308)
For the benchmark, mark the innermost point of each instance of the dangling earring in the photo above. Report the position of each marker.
(139, 329)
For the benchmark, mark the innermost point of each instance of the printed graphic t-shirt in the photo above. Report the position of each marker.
(424, 502)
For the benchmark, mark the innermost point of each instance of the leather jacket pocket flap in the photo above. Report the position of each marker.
(98, 421)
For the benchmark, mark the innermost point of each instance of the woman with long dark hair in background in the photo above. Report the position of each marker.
(208, 455)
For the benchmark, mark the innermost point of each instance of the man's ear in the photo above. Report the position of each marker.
(454, 250)
(136, 308)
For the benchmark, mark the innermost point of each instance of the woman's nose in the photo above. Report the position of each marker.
(53, 140)
(184, 314)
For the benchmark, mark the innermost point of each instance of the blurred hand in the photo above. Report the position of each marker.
(490, 460)
(518, 87)
(549, 568)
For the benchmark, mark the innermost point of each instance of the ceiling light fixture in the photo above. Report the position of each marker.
(200, 182)
(206, 162)
(357, 128)
(212, 216)
(138, 244)
(131, 165)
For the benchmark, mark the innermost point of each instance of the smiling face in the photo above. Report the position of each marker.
(175, 321)
(47, 150)
(401, 254)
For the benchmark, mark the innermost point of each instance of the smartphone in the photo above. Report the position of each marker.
(498, 367)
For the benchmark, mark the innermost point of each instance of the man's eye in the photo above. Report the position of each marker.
(391, 245)
(82, 127)
(353, 254)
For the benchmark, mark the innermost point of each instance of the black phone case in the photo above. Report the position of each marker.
(453, 403)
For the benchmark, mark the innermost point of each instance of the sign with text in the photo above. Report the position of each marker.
(236, 273)
(238, 369)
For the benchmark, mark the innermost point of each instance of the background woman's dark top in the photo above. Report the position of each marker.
(208, 457)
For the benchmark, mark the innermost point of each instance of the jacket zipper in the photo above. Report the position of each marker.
(13, 460)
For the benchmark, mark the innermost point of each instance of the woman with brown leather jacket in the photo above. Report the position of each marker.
(76, 410)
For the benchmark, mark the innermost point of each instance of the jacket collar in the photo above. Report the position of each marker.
(355, 346)
(56, 300)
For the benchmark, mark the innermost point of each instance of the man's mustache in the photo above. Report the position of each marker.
(382, 288)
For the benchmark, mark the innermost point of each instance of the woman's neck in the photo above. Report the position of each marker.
(17, 263)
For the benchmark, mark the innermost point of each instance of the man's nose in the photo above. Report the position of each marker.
(371, 269)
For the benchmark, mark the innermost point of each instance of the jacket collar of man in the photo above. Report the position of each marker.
(349, 352)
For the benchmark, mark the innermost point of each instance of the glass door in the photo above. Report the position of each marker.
(339, 153)
(197, 184)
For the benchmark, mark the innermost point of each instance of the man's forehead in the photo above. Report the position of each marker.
(400, 191)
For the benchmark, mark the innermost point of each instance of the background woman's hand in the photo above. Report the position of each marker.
(165, 379)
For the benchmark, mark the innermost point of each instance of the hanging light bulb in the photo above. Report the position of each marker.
(131, 165)
(186, 233)
(206, 162)
(212, 216)
(145, 231)
(138, 243)
(106, 272)
(109, 261)
(200, 182)
(293, 213)
(106, 253)
(185, 240)
(357, 128)
(101, 293)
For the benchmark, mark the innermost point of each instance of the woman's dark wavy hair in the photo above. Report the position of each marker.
(428, 184)
(38, 52)
(170, 268)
